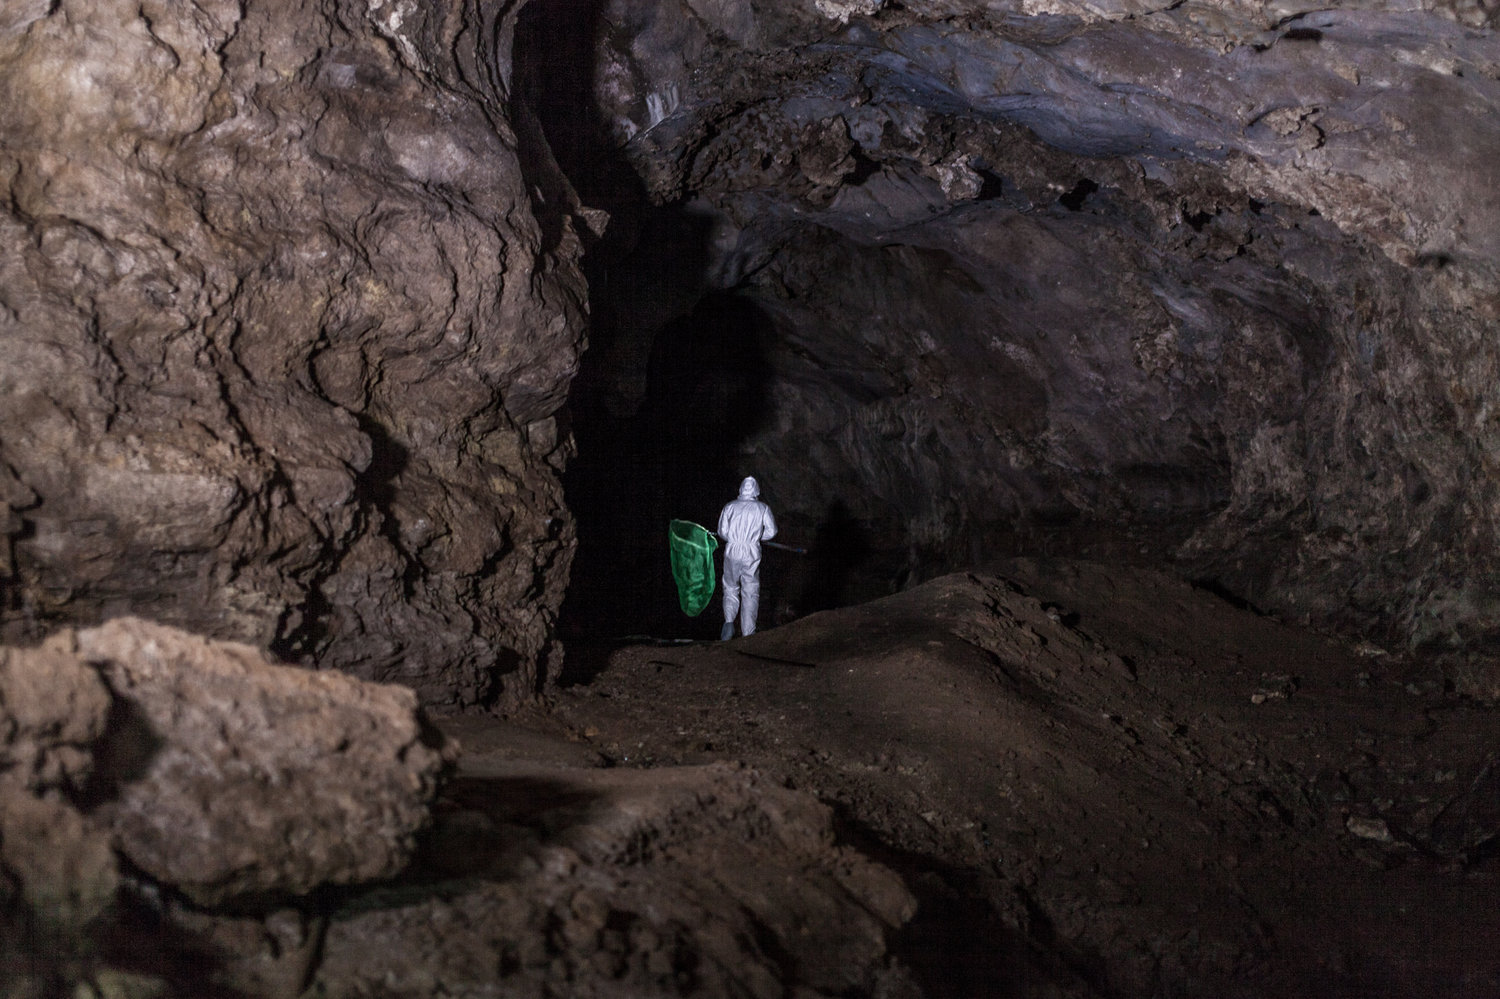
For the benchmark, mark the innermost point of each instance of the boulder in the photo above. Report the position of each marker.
(211, 770)
(59, 863)
(230, 777)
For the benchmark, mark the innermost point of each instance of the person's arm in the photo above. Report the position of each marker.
(768, 526)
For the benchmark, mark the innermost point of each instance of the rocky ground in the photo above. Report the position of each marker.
(1093, 782)
(1046, 779)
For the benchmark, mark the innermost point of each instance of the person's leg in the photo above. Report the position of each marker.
(731, 584)
(749, 602)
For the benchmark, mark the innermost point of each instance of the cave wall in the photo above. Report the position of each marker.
(1219, 276)
(288, 310)
(290, 303)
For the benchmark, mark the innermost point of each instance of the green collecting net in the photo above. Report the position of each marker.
(692, 548)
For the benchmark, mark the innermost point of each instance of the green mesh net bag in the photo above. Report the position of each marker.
(692, 548)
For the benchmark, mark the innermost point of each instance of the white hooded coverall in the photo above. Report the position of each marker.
(743, 524)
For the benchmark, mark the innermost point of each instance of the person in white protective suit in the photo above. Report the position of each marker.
(743, 524)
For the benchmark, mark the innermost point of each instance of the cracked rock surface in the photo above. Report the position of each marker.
(1216, 279)
(137, 755)
(283, 336)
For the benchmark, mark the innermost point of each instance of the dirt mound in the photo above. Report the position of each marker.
(566, 879)
(697, 881)
(1107, 781)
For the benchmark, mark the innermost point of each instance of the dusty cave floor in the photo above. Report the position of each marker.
(1092, 781)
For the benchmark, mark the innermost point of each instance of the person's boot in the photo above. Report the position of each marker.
(726, 632)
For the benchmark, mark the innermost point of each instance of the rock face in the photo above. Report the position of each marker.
(1218, 276)
(236, 778)
(284, 329)
(219, 775)
(290, 305)
(53, 708)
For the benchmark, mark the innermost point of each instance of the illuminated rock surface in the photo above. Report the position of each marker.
(281, 337)
(138, 753)
(293, 307)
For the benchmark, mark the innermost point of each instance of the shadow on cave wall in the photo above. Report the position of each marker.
(840, 546)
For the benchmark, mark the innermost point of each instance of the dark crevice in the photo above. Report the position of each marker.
(122, 754)
(1197, 219)
(864, 168)
(304, 630)
(674, 456)
(1075, 199)
(675, 377)
(991, 186)
(1218, 589)
(840, 547)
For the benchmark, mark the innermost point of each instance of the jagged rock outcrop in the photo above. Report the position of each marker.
(285, 324)
(235, 778)
(53, 861)
(200, 768)
(1212, 273)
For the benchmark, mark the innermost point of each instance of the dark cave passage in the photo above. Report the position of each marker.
(677, 382)
(675, 456)
(900, 401)
(974, 337)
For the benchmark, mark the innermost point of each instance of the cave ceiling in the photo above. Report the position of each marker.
(1219, 277)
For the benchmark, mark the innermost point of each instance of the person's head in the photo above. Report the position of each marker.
(749, 489)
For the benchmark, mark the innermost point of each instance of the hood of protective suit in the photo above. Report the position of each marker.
(749, 489)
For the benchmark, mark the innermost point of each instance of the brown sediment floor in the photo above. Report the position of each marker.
(1091, 781)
